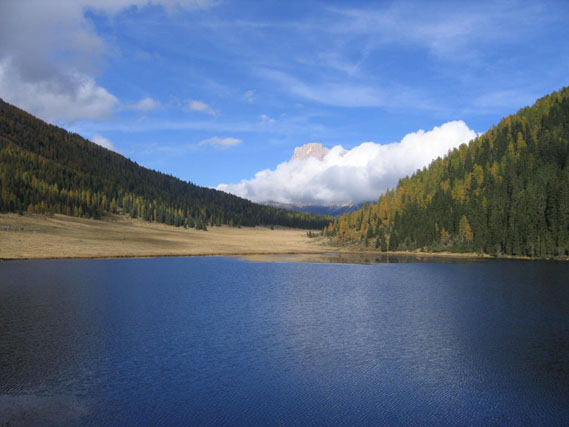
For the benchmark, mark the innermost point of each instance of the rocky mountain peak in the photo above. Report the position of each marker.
(312, 149)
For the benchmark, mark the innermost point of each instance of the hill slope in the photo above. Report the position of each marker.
(45, 169)
(505, 193)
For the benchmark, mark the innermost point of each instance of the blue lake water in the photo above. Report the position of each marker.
(221, 341)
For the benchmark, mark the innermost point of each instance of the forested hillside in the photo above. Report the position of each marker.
(45, 169)
(505, 193)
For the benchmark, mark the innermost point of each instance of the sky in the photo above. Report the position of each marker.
(220, 92)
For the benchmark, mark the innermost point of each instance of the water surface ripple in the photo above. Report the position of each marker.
(220, 341)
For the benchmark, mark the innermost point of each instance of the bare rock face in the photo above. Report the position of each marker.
(312, 149)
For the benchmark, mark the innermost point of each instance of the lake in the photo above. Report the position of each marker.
(222, 341)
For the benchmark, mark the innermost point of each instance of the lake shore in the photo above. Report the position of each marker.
(42, 237)
(63, 237)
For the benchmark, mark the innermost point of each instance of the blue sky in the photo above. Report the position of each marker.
(215, 91)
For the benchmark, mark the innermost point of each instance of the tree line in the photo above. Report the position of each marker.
(45, 169)
(505, 193)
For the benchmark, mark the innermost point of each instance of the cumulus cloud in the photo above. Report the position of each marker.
(201, 107)
(50, 53)
(216, 141)
(146, 104)
(103, 142)
(356, 175)
(68, 97)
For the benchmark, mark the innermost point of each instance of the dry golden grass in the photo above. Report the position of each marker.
(36, 236)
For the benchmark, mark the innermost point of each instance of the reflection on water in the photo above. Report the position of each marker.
(362, 258)
(220, 341)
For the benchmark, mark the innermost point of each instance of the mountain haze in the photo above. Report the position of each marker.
(505, 193)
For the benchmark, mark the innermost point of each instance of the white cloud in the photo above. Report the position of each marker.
(250, 96)
(266, 119)
(455, 34)
(103, 142)
(356, 175)
(50, 53)
(146, 104)
(221, 142)
(68, 97)
(115, 6)
(349, 93)
(200, 106)
(340, 94)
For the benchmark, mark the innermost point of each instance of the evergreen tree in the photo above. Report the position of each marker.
(506, 192)
(45, 169)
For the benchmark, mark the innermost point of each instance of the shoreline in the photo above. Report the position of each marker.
(291, 256)
(160, 255)
(34, 237)
(265, 253)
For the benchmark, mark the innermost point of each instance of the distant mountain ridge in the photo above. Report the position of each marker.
(331, 210)
(505, 193)
(317, 151)
(45, 169)
(312, 149)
